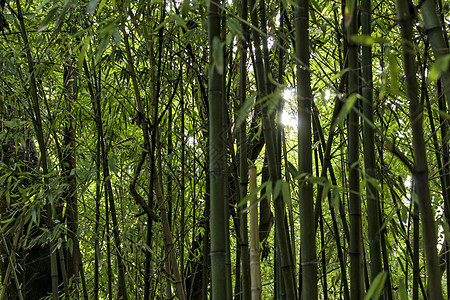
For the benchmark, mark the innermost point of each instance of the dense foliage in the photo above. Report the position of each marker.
(128, 129)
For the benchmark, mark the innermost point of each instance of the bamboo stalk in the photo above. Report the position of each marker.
(255, 269)
(420, 173)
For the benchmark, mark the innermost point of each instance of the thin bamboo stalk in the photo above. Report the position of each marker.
(255, 269)
(243, 156)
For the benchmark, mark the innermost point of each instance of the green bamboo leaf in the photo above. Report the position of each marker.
(41, 5)
(185, 7)
(326, 189)
(14, 123)
(317, 180)
(348, 105)
(315, 5)
(439, 66)
(179, 20)
(335, 197)
(443, 114)
(33, 215)
(402, 290)
(104, 41)
(374, 182)
(394, 71)
(272, 100)
(117, 37)
(243, 111)
(388, 219)
(285, 192)
(366, 40)
(70, 245)
(376, 287)
(92, 6)
(235, 27)
(82, 54)
(112, 164)
(100, 7)
(253, 193)
(293, 170)
(50, 16)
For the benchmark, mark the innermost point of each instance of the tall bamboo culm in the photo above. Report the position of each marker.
(373, 211)
(355, 243)
(243, 164)
(217, 156)
(420, 169)
(304, 102)
(255, 269)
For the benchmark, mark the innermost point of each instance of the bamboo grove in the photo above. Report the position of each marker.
(238, 149)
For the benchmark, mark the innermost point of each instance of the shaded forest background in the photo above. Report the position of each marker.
(129, 130)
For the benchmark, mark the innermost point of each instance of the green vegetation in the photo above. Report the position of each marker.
(129, 128)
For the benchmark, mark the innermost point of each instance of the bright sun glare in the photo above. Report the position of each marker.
(288, 118)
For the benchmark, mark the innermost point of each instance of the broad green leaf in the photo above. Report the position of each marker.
(277, 188)
(273, 100)
(315, 5)
(293, 170)
(348, 105)
(100, 7)
(445, 227)
(402, 290)
(14, 123)
(178, 20)
(217, 53)
(185, 7)
(285, 192)
(117, 37)
(33, 215)
(388, 219)
(253, 193)
(43, 3)
(366, 40)
(394, 71)
(245, 107)
(50, 16)
(326, 189)
(112, 164)
(70, 245)
(189, 35)
(317, 180)
(235, 27)
(82, 54)
(92, 6)
(443, 114)
(374, 182)
(335, 197)
(401, 184)
(440, 66)
(104, 41)
(376, 287)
